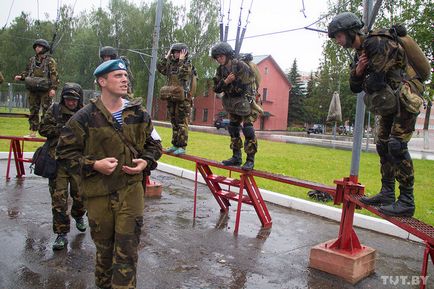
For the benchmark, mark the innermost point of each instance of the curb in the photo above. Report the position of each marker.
(331, 213)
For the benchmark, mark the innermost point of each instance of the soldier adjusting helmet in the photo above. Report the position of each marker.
(344, 22)
(108, 51)
(178, 47)
(41, 42)
(222, 48)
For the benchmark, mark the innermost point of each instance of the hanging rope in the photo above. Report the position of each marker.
(303, 9)
(228, 21)
(9, 14)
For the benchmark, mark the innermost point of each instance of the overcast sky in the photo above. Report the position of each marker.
(266, 16)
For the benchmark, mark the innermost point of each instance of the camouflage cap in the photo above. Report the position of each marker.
(109, 66)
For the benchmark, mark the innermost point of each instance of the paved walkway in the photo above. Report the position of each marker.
(178, 252)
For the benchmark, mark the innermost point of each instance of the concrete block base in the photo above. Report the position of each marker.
(351, 267)
(153, 189)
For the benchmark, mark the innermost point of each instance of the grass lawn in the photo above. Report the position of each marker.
(311, 163)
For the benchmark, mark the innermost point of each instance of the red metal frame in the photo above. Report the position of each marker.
(16, 147)
(347, 192)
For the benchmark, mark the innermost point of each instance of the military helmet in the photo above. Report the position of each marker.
(178, 47)
(222, 48)
(246, 57)
(72, 90)
(108, 51)
(344, 22)
(41, 42)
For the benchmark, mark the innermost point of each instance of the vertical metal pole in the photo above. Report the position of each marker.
(360, 112)
(368, 131)
(152, 68)
(11, 96)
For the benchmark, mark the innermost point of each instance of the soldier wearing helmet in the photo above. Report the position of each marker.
(178, 92)
(380, 69)
(41, 81)
(66, 182)
(234, 79)
(108, 53)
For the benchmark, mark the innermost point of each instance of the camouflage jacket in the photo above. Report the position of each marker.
(90, 135)
(54, 119)
(176, 72)
(46, 67)
(387, 62)
(241, 86)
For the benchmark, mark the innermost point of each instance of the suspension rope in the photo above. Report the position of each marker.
(9, 14)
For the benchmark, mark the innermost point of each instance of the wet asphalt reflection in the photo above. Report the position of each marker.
(179, 252)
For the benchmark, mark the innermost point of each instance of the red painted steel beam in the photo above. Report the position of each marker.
(261, 174)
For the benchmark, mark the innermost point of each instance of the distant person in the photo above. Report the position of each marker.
(393, 91)
(177, 92)
(71, 100)
(41, 80)
(234, 78)
(111, 142)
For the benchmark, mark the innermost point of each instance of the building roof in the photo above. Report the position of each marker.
(257, 59)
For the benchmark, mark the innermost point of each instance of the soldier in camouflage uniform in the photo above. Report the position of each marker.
(71, 100)
(179, 72)
(110, 142)
(234, 78)
(380, 66)
(41, 80)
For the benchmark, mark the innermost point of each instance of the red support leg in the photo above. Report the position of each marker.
(240, 201)
(195, 193)
(429, 251)
(258, 202)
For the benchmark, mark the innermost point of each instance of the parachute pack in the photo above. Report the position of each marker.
(256, 79)
(419, 66)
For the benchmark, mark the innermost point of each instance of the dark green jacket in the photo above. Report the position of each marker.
(241, 86)
(89, 136)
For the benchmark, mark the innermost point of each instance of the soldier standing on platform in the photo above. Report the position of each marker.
(41, 80)
(234, 78)
(178, 92)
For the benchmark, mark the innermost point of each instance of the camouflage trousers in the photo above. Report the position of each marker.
(36, 101)
(394, 133)
(116, 222)
(179, 117)
(59, 200)
(250, 143)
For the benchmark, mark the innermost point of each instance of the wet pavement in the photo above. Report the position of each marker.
(178, 252)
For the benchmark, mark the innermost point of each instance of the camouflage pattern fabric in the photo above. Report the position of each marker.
(38, 99)
(50, 127)
(242, 86)
(180, 118)
(114, 202)
(399, 127)
(59, 200)
(388, 62)
(178, 73)
(250, 143)
(44, 67)
(89, 136)
(116, 249)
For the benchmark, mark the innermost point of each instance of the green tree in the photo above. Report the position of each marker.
(296, 96)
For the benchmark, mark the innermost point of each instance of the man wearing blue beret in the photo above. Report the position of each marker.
(111, 142)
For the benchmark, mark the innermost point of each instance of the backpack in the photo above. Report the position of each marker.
(419, 66)
(42, 163)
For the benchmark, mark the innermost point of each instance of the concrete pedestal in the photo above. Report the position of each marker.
(351, 267)
(153, 189)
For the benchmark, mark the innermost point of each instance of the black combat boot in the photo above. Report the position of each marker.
(250, 162)
(235, 160)
(403, 207)
(385, 197)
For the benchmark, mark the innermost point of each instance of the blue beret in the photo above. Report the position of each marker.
(109, 66)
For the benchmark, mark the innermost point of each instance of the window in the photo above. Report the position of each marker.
(264, 93)
(205, 115)
(266, 71)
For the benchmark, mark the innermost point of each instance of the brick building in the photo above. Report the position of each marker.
(274, 89)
